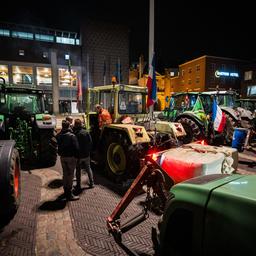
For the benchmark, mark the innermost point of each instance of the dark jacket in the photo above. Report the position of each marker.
(67, 144)
(84, 141)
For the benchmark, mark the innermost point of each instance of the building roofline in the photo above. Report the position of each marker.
(211, 56)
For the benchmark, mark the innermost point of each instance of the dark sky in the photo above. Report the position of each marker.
(183, 30)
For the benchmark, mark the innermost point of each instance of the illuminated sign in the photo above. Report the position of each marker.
(224, 73)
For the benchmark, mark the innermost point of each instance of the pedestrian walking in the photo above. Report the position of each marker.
(68, 150)
(85, 147)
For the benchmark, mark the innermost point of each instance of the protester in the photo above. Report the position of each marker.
(85, 147)
(68, 150)
(104, 116)
(70, 120)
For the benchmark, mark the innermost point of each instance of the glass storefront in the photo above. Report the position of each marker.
(22, 75)
(44, 76)
(4, 72)
(66, 79)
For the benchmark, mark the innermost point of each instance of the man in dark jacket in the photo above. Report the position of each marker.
(68, 150)
(85, 147)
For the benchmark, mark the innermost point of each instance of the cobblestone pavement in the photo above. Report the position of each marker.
(46, 225)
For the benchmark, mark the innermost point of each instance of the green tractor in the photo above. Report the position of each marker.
(23, 119)
(119, 146)
(9, 181)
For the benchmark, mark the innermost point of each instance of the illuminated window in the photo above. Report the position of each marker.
(45, 38)
(77, 42)
(65, 40)
(44, 76)
(21, 52)
(4, 32)
(4, 72)
(67, 79)
(248, 75)
(197, 67)
(23, 35)
(251, 90)
(22, 75)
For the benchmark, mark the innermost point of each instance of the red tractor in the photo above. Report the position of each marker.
(9, 181)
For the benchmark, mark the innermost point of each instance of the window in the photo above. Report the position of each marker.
(251, 90)
(22, 75)
(182, 72)
(44, 76)
(189, 81)
(21, 52)
(65, 40)
(67, 79)
(197, 67)
(67, 57)
(45, 54)
(130, 103)
(189, 70)
(45, 38)
(4, 32)
(77, 41)
(4, 73)
(23, 35)
(247, 75)
(197, 79)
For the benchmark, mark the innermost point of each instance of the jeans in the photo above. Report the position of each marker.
(84, 164)
(68, 166)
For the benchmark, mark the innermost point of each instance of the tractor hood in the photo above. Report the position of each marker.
(194, 160)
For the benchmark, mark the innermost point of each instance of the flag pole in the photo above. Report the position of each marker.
(151, 44)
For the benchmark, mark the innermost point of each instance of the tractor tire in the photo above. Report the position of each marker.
(47, 154)
(231, 123)
(118, 160)
(10, 184)
(192, 129)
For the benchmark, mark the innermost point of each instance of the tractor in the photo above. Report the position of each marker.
(181, 110)
(23, 119)
(10, 189)
(160, 174)
(119, 146)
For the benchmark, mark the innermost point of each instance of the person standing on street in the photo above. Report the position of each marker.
(68, 150)
(70, 120)
(85, 147)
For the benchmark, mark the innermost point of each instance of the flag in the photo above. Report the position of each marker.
(79, 93)
(69, 66)
(198, 105)
(218, 117)
(151, 83)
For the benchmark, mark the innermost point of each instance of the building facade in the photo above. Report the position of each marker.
(208, 72)
(57, 61)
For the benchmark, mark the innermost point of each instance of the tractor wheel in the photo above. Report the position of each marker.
(10, 187)
(118, 163)
(192, 129)
(47, 148)
(229, 128)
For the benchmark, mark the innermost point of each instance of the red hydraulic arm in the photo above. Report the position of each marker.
(150, 175)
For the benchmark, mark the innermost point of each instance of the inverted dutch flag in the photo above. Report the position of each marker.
(151, 83)
(218, 117)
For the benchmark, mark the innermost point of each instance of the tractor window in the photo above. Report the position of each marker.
(227, 100)
(21, 102)
(130, 103)
(107, 100)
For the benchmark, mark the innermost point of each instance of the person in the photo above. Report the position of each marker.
(85, 147)
(104, 116)
(68, 150)
(70, 120)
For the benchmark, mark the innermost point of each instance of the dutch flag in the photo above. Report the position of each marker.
(151, 83)
(218, 117)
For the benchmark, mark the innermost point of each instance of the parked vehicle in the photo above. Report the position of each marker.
(23, 119)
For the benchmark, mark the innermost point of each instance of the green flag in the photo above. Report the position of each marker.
(198, 105)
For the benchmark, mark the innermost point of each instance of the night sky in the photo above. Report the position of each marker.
(183, 31)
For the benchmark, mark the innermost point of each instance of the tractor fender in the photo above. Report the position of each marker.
(232, 112)
(137, 134)
(6, 148)
(245, 113)
(191, 116)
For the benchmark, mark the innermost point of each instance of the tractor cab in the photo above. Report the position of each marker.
(121, 101)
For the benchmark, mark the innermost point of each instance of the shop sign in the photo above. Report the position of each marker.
(224, 73)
